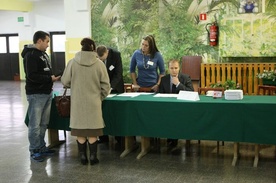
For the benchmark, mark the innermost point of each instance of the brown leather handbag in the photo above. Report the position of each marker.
(63, 105)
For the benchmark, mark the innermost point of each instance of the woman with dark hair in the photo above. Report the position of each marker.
(88, 45)
(87, 77)
(148, 60)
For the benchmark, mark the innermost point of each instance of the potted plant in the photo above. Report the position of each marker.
(227, 85)
(268, 77)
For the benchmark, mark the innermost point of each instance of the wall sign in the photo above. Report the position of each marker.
(20, 19)
(203, 16)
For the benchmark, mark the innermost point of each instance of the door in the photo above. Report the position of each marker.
(9, 57)
(57, 51)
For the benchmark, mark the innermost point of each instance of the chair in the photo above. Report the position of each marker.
(266, 89)
(191, 66)
(272, 90)
(145, 89)
(204, 92)
(127, 87)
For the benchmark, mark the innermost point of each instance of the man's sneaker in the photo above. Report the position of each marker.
(37, 157)
(48, 152)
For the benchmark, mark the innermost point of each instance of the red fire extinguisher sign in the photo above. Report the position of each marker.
(203, 16)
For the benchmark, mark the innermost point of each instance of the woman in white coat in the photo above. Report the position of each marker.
(87, 77)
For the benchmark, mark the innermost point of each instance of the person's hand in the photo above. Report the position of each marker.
(54, 78)
(175, 80)
(135, 87)
(155, 88)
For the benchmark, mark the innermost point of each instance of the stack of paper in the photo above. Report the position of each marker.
(233, 94)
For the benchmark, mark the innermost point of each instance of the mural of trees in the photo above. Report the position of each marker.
(178, 31)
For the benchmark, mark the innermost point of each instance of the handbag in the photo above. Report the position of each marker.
(63, 105)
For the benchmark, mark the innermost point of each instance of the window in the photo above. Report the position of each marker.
(58, 43)
(14, 44)
(3, 45)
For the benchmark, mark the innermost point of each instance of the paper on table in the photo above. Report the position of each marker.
(131, 94)
(188, 95)
(166, 95)
(111, 95)
(146, 93)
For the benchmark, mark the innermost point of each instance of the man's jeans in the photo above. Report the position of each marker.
(39, 116)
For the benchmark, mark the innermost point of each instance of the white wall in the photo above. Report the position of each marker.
(78, 18)
(46, 15)
(8, 22)
(49, 15)
(72, 16)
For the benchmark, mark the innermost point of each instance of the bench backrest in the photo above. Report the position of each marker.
(242, 73)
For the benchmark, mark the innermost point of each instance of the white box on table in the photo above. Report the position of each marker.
(233, 95)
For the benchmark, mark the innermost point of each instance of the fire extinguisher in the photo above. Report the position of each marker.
(212, 33)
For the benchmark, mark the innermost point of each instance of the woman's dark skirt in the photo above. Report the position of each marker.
(87, 132)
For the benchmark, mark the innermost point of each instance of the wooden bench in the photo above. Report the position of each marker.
(242, 73)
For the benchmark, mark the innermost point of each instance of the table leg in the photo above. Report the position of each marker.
(53, 138)
(188, 144)
(130, 146)
(217, 147)
(256, 158)
(236, 152)
(145, 147)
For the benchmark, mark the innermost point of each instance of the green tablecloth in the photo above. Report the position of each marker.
(249, 120)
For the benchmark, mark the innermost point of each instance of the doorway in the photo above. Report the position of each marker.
(57, 51)
(9, 56)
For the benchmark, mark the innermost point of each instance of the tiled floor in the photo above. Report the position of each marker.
(200, 163)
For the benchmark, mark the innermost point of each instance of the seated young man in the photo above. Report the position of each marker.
(173, 83)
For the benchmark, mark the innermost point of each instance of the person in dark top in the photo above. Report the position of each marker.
(173, 83)
(39, 84)
(147, 61)
(113, 61)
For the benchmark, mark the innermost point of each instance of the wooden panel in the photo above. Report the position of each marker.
(242, 73)
(191, 66)
(202, 75)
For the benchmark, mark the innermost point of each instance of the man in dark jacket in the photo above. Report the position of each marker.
(39, 83)
(113, 61)
(173, 83)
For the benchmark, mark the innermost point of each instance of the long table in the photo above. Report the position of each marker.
(250, 120)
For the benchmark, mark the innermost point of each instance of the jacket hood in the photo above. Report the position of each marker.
(28, 48)
(86, 58)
